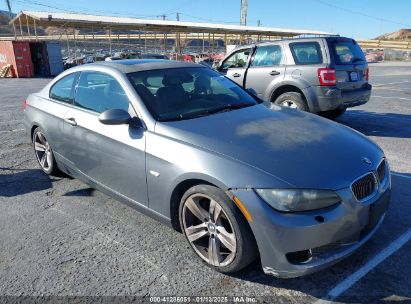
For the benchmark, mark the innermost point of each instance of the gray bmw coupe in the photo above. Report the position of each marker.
(191, 148)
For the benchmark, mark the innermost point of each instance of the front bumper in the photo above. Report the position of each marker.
(332, 98)
(329, 234)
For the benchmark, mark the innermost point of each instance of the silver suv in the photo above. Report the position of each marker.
(321, 75)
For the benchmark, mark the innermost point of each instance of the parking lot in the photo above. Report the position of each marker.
(58, 237)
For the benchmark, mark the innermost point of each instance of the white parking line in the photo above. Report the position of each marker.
(401, 175)
(343, 286)
(392, 89)
(385, 84)
(389, 97)
(381, 116)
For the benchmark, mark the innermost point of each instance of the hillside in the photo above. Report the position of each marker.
(5, 28)
(402, 34)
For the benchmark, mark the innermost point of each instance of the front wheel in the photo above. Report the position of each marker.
(216, 229)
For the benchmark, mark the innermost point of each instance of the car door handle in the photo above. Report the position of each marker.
(274, 73)
(70, 121)
(236, 75)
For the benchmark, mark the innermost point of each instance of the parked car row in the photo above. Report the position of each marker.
(200, 152)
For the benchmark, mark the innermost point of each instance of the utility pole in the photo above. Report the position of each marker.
(163, 16)
(9, 7)
(258, 22)
(178, 16)
(243, 12)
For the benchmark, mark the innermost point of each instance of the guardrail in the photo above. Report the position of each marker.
(385, 44)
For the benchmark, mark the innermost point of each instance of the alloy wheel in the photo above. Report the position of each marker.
(209, 230)
(43, 151)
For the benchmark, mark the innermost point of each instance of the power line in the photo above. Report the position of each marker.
(361, 13)
(175, 10)
(209, 20)
(78, 9)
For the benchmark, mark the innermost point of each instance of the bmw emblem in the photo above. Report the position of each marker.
(367, 160)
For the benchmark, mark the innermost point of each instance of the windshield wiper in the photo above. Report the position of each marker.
(229, 107)
(184, 116)
(206, 112)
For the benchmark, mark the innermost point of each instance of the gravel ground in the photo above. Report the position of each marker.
(58, 237)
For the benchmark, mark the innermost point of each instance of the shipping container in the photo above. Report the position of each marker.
(46, 57)
(54, 58)
(17, 54)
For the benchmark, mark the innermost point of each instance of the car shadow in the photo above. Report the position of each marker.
(378, 124)
(81, 192)
(23, 181)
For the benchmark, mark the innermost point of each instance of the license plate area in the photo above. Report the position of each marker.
(354, 76)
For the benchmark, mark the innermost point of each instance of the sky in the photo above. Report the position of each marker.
(360, 19)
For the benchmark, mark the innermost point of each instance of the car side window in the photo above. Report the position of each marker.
(62, 90)
(99, 92)
(306, 52)
(267, 55)
(237, 60)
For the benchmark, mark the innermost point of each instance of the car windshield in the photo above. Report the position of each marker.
(347, 52)
(185, 93)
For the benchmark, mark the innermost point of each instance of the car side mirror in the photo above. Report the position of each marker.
(220, 67)
(136, 122)
(114, 117)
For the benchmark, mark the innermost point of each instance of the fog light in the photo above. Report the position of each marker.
(299, 257)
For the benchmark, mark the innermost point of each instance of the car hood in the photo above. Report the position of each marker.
(305, 150)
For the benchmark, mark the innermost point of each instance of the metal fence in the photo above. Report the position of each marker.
(385, 44)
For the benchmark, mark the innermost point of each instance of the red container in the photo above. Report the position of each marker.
(16, 53)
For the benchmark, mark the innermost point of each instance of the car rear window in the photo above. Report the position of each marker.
(306, 52)
(347, 52)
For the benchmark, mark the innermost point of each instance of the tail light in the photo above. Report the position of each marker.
(327, 77)
(367, 74)
(25, 105)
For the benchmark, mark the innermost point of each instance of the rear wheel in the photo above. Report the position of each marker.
(292, 100)
(333, 114)
(216, 229)
(44, 153)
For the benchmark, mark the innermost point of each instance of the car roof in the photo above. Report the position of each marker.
(289, 39)
(137, 65)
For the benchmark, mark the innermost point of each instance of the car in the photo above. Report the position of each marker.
(323, 75)
(154, 56)
(189, 147)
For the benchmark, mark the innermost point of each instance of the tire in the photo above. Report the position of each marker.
(231, 235)
(333, 114)
(292, 100)
(44, 153)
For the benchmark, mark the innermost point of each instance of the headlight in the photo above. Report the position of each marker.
(289, 200)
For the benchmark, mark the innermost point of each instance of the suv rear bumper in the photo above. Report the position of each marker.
(332, 98)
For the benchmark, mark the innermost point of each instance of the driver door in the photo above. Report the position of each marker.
(235, 66)
(111, 155)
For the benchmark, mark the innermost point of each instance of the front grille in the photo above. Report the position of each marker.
(364, 187)
(381, 171)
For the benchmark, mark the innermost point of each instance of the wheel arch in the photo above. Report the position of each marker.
(181, 186)
(284, 88)
(34, 126)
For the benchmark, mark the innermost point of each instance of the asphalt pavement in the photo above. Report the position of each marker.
(58, 237)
